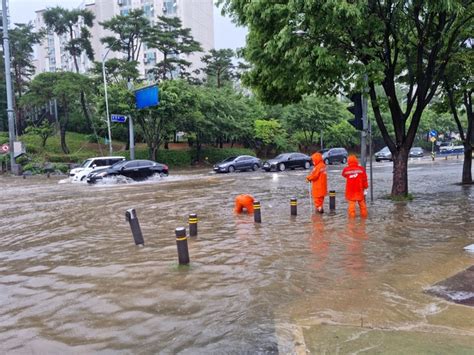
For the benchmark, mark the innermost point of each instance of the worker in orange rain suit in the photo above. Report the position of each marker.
(244, 202)
(319, 181)
(356, 183)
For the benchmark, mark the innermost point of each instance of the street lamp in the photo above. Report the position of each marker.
(107, 101)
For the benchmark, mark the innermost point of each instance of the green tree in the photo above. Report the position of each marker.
(65, 23)
(66, 87)
(219, 66)
(458, 85)
(312, 116)
(22, 40)
(270, 136)
(116, 71)
(129, 32)
(177, 102)
(173, 41)
(44, 131)
(299, 46)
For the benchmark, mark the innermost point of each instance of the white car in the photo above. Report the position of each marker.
(80, 173)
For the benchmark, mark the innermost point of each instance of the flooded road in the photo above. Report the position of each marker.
(72, 280)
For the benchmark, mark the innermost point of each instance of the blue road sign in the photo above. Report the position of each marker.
(433, 133)
(118, 118)
(147, 97)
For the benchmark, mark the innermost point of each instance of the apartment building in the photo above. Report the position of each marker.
(194, 14)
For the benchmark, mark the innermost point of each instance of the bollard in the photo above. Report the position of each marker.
(193, 225)
(257, 214)
(332, 200)
(47, 175)
(182, 244)
(294, 206)
(24, 176)
(131, 217)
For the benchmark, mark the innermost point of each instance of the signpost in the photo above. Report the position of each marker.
(433, 140)
(118, 118)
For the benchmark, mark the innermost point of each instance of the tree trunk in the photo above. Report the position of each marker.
(63, 139)
(467, 165)
(400, 172)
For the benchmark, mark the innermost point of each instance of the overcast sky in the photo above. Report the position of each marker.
(226, 34)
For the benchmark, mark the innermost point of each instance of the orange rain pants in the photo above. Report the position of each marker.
(351, 210)
(244, 202)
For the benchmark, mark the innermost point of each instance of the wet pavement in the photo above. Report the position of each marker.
(72, 280)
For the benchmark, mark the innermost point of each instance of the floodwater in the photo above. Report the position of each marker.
(72, 280)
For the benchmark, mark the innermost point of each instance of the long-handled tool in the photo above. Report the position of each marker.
(310, 198)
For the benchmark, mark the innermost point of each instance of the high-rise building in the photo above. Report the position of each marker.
(197, 15)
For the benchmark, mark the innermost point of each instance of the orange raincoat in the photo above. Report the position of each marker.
(244, 202)
(356, 183)
(319, 181)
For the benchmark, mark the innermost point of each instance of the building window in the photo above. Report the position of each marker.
(148, 10)
(170, 7)
(124, 12)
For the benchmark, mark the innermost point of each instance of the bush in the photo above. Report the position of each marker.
(61, 158)
(34, 168)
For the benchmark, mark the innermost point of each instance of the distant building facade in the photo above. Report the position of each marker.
(194, 14)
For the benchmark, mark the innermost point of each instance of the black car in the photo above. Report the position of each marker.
(416, 152)
(242, 162)
(288, 161)
(133, 169)
(334, 155)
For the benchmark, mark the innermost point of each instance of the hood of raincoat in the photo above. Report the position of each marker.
(352, 160)
(317, 158)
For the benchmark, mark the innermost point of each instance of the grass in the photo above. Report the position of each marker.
(400, 198)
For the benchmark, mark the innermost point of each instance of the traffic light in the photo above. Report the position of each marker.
(356, 110)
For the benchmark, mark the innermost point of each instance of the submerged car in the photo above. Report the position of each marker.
(288, 161)
(133, 169)
(241, 162)
(383, 154)
(334, 155)
(416, 152)
(80, 173)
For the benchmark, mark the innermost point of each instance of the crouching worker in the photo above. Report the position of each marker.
(356, 183)
(244, 202)
(319, 181)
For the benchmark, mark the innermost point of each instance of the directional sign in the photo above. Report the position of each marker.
(118, 118)
(4, 149)
(433, 133)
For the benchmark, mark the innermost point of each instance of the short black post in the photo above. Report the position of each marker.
(257, 214)
(193, 225)
(294, 206)
(182, 244)
(47, 175)
(131, 217)
(332, 200)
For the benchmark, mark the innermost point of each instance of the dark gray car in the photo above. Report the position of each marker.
(241, 162)
(335, 155)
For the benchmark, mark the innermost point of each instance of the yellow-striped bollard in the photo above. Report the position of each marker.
(257, 214)
(332, 200)
(293, 206)
(182, 244)
(193, 225)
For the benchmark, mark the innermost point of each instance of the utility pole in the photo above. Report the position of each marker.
(363, 133)
(8, 81)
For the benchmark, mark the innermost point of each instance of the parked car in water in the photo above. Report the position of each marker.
(288, 161)
(334, 155)
(416, 152)
(133, 169)
(383, 154)
(80, 173)
(450, 148)
(241, 162)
